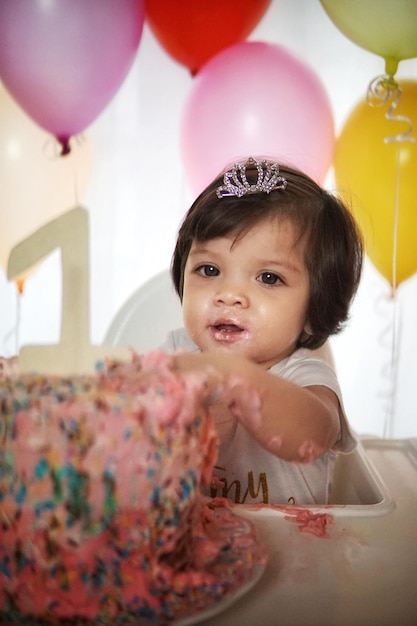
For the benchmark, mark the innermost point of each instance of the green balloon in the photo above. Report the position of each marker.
(386, 27)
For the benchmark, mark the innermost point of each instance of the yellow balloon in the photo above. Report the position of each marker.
(386, 27)
(36, 183)
(370, 171)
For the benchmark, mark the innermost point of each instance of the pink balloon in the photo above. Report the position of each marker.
(256, 99)
(63, 60)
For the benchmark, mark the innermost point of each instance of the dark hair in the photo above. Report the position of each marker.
(333, 243)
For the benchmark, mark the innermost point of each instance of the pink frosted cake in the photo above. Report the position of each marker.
(101, 516)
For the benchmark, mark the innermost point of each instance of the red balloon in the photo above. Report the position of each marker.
(193, 31)
(63, 60)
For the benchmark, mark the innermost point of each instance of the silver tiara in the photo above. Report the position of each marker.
(236, 184)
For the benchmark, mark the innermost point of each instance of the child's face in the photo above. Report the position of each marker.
(248, 296)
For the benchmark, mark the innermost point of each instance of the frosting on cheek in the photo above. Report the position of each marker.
(309, 451)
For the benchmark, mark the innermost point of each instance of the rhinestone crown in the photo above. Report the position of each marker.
(236, 184)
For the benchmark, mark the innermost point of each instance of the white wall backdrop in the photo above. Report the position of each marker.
(138, 193)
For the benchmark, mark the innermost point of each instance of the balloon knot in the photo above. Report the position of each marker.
(65, 145)
(20, 285)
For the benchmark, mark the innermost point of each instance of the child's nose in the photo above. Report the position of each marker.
(230, 296)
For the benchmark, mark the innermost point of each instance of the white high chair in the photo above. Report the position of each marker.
(147, 316)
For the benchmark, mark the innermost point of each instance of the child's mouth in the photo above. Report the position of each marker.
(227, 332)
(228, 328)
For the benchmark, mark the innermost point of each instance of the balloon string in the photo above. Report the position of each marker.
(382, 89)
(396, 222)
(388, 424)
(52, 150)
(80, 139)
(386, 308)
(15, 331)
(75, 183)
(18, 320)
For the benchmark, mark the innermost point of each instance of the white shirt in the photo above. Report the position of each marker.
(249, 473)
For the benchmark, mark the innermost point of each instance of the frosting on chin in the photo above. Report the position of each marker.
(101, 515)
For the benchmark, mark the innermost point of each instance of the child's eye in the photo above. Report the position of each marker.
(269, 278)
(207, 270)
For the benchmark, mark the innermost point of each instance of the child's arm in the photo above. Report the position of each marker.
(295, 423)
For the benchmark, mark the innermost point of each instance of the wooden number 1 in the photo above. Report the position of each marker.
(74, 354)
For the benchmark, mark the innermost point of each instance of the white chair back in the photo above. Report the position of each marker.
(147, 316)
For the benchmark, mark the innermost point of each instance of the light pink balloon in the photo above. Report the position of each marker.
(63, 60)
(256, 99)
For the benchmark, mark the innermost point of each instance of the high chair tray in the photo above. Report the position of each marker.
(340, 564)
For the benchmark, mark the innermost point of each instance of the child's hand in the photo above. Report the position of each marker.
(196, 362)
(244, 403)
(229, 396)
